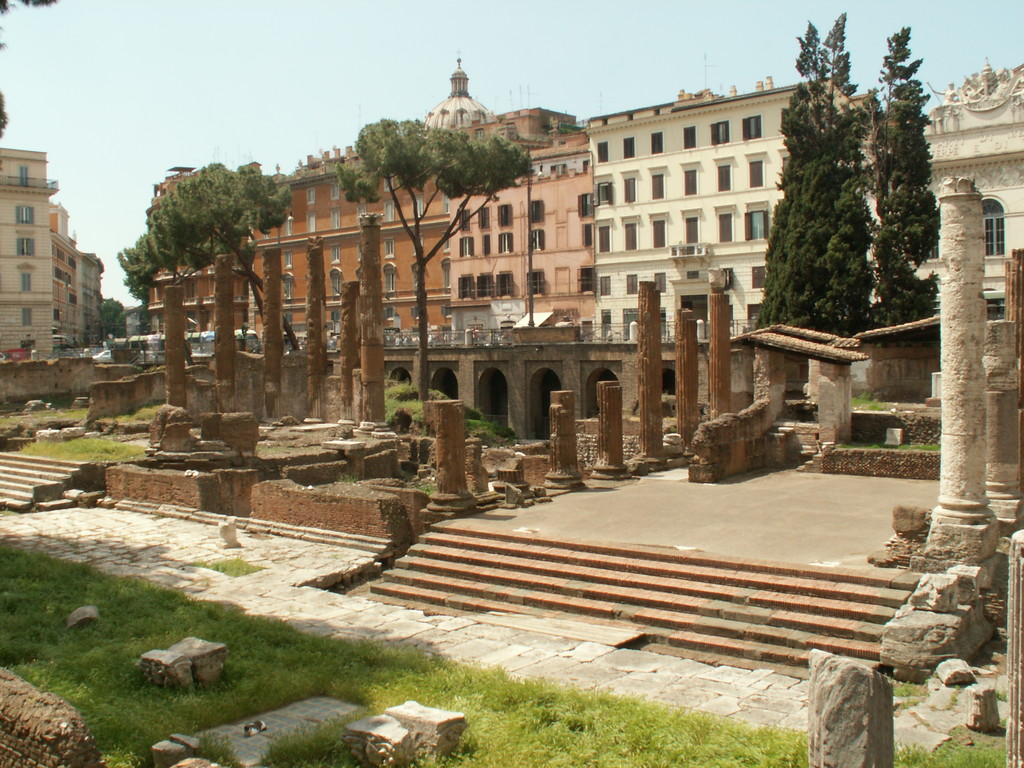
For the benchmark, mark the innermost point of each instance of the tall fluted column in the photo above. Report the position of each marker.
(371, 309)
(1015, 655)
(649, 374)
(720, 353)
(687, 378)
(565, 471)
(609, 464)
(452, 495)
(224, 341)
(348, 352)
(1002, 485)
(174, 345)
(316, 349)
(273, 332)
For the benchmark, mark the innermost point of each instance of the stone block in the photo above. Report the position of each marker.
(981, 712)
(435, 732)
(167, 754)
(909, 520)
(82, 617)
(171, 429)
(196, 762)
(915, 642)
(207, 659)
(166, 668)
(380, 741)
(72, 433)
(48, 435)
(970, 581)
(936, 592)
(229, 534)
(893, 436)
(955, 672)
(240, 432)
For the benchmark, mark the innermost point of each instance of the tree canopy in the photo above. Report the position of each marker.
(5, 7)
(112, 317)
(407, 162)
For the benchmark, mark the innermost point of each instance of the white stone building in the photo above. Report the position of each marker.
(681, 188)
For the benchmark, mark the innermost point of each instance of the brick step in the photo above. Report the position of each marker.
(15, 492)
(638, 554)
(837, 593)
(734, 647)
(32, 474)
(715, 659)
(40, 462)
(35, 491)
(658, 592)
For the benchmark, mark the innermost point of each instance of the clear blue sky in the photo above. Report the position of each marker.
(118, 91)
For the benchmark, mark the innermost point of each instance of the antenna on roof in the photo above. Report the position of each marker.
(706, 68)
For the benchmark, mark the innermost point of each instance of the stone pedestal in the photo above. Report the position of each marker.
(963, 526)
(316, 349)
(565, 471)
(348, 350)
(452, 496)
(1002, 485)
(174, 345)
(273, 332)
(609, 464)
(770, 380)
(720, 353)
(687, 405)
(649, 374)
(371, 311)
(224, 322)
(1015, 655)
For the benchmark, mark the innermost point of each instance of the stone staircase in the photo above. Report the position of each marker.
(715, 608)
(26, 481)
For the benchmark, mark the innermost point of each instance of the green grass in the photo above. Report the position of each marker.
(145, 413)
(85, 449)
(403, 396)
(867, 402)
(236, 566)
(512, 724)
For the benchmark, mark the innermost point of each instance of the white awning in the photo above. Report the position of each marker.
(539, 318)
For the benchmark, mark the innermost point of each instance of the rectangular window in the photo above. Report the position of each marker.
(311, 222)
(657, 143)
(657, 186)
(505, 242)
(484, 217)
(389, 211)
(24, 214)
(690, 137)
(464, 220)
(757, 173)
(604, 239)
(586, 282)
(505, 215)
(752, 128)
(486, 245)
(692, 230)
(690, 182)
(586, 205)
(724, 178)
(335, 192)
(753, 310)
(287, 259)
(720, 132)
(335, 254)
(485, 286)
(389, 247)
(26, 315)
(588, 235)
(629, 190)
(632, 285)
(311, 195)
(56, 315)
(335, 218)
(658, 233)
(446, 204)
(506, 287)
(537, 238)
(26, 282)
(757, 277)
(420, 209)
(23, 175)
(628, 147)
(756, 225)
(604, 285)
(630, 234)
(537, 281)
(605, 193)
(467, 287)
(602, 151)
(466, 246)
(536, 211)
(725, 227)
(26, 246)
(660, 283)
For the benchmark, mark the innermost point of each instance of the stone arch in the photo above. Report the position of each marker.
(543, 382)
(492, 395)
(444, 380)
(590, 408)
(400, 373)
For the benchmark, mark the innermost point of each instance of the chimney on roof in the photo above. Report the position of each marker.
(768, 83)
(732, 90)
(309, 160)
(759, 86)
(683, 95)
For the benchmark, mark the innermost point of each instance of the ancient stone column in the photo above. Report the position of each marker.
(835, 390)
(720, 363)
(1015, 655)
(348, 350)
(452, 495)
(273, 332)
(316, 349)
(687, 378)
(609, 464)
(649, 374)
(224, 324)
(1002, 485)
(770, 379)
(371, 310)
(174, 345)
(564, 473)
(963, 526)
(1015, 313)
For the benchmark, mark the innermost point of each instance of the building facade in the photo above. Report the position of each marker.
(76, 286)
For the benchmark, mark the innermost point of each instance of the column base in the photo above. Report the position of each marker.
(957, 543)
(452, 504)
(609, 472)
(563, 481)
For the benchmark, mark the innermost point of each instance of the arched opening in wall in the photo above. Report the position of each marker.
(444, 380)
(590, 409)
(398, 373)
(492, 396)
(543, 382)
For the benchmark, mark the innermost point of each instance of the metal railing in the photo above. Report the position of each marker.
(20, 181)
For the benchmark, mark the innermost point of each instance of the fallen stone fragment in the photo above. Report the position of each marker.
(955, 672)
(229, 533)
(380, 741)
(981, 710)
(936, 592)
(167, 754)
(435, 732)
(166, 668)
(82, 617)
(206, 658)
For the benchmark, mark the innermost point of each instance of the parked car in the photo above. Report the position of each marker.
(106, 356)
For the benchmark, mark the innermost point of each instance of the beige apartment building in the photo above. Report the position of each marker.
(76, 286)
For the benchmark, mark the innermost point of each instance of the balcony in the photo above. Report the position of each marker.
(20, 181)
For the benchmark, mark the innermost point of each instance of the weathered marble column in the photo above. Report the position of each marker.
(565, 470)
(835, 389)
(273, 332)
(316, 349)
(609, 465)
(963, 526)
(1015, 655)
(720, 354)
(1002, 485)
(224, 324)
(687, 378)
(770, 379)
(371, 310)
(174, 345)
(452, 495)
(649, 374)
(348, 350)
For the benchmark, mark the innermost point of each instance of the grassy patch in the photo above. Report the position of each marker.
(85, 449)
(236, 566)
(512, 724)
(867, 402)
(401, 398)
(145, 413)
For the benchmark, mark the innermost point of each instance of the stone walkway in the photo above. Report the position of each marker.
(165, 550)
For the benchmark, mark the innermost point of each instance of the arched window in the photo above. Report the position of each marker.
(995, 233)
(389, 279)
(288, 287)
(336, 282)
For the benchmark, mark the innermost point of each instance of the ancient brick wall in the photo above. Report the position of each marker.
(881, 462)
(900, 374)
(918, 428)
(40, 730)
(111, 398)
(731, 444)
(164, 486)
(49, 379)
(586, 440)
(413, 501)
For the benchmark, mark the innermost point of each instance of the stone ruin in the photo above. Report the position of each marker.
(405, 734)
(188, 662)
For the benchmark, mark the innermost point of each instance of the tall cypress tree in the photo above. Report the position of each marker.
(817, 273)
(907, 227)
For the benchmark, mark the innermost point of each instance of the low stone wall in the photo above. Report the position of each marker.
(41, 730)
(223, 491)
(731, 444)
(918, 428)
(881, 462)
(586, 441)
(111, 398)
(49, 379)
(898, 373)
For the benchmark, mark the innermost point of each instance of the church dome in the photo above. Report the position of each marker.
(459, 110)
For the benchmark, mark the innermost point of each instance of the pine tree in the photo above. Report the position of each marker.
(907, 226)
(817, 273)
